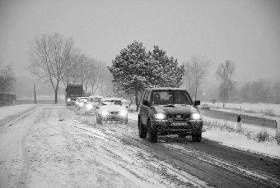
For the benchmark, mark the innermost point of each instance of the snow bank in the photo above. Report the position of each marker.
(7, 111)
(241, 142)
(244, 138)
(133, 115)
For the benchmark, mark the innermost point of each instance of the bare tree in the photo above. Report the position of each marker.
(95, 77)
(71, 74)
(195, 74)
(50, 59)
(225, 72)
(7, 79)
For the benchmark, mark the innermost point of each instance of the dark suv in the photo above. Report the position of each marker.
(166, 111)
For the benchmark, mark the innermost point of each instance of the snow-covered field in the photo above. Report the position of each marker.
(259, 108)
(7, 111)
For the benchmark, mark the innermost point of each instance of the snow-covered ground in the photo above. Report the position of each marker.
(56, 146)
(241, 142)
(7, 111)
(244, 138)
(237, 139)
(259, 108)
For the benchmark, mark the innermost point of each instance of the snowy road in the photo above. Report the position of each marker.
(52, 146)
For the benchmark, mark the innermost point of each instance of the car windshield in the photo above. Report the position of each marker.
(171, 97)
(115, 102)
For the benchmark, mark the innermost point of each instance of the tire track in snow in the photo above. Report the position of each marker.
(148, 162)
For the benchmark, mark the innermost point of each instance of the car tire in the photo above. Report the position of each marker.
(142, 130)
(152, 133)
(98, 120)
(196, 137)
(125, 121)
(182, 135)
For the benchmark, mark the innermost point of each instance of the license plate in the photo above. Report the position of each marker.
(179, 124)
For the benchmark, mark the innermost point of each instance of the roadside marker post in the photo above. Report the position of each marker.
(277, 128)
(277, 131)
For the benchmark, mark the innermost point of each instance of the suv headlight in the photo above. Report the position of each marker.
(123, 112)
(195, 116)
(68, 100)
(160, 116)
(89, 106)
(104, 113)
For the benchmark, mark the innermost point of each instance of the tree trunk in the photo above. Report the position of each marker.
(55, 93)
(35, 95)
(136, 95)
(55, 96)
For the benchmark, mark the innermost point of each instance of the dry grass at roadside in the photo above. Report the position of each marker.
(231, 127)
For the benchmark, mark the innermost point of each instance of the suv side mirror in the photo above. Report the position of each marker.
(146, 103)
(196, 103)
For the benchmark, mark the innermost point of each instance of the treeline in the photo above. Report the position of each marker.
(55, 60)
(7, 79)
(259, 91)
(135, 68)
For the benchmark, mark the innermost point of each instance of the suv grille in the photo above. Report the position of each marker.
(178, 117)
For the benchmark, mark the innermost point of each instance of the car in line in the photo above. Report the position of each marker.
(91, 104)
(80, 102)
(165, 111)
(111, 109)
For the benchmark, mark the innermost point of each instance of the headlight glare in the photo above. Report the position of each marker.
(89, 106)
(104, 113)
(123, 112)
(195, 116)
(160, 116)
(68, 100)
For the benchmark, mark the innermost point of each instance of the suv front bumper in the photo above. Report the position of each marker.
(174, 127)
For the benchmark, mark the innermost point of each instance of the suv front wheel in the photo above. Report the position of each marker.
(152, 132)
(142, 130)
(196, 137)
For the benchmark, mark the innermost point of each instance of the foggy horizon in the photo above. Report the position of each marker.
(245, 32)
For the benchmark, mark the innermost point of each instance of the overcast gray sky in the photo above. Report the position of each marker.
(244, 31)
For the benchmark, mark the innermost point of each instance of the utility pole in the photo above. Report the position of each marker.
(35, 95)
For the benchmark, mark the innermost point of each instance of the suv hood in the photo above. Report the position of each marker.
(112, 108)
(177, 109)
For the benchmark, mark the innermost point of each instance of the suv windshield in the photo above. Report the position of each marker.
(112, 102)
(170, 97)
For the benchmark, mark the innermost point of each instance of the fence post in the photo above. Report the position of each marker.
(277, 131)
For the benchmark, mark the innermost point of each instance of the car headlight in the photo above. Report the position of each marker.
(104, 113)
(195, 116)
(160, 116)
(89, 106)
(68, 100)
(123, 112)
